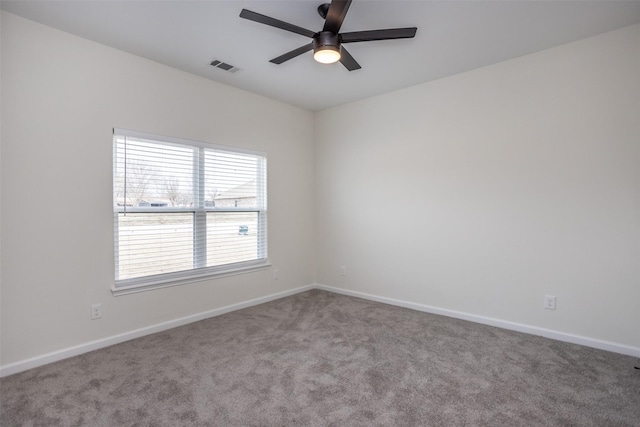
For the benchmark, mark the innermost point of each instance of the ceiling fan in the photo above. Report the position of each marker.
(327, 44)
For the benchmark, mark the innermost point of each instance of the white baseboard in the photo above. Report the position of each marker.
(504, 324)
(34, 362)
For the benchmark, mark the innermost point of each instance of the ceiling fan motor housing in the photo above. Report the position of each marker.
(326, 40)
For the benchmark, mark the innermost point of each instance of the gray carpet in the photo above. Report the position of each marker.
(321, 359)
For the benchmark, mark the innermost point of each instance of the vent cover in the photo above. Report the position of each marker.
(224, 66)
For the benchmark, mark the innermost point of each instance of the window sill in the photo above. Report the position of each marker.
(183, 279)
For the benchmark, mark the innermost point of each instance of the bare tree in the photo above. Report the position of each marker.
(213, 193)
(172, 191)
(138, 176)
(184, 199)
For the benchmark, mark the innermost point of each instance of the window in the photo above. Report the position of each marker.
(185, 210)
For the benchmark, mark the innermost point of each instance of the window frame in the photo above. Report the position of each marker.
(200, 210)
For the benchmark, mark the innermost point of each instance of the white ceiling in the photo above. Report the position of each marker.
(452, 37)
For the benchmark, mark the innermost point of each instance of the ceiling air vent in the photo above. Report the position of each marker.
(224, 66)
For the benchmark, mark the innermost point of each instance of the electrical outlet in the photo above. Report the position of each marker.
(343, 270)
(96, 311)
(276, 274)
(550, 302)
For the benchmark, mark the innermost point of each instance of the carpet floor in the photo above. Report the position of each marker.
(322, 359)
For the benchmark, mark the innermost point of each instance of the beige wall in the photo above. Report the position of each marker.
(61, 97)
(482, 192)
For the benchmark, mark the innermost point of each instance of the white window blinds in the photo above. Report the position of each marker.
(185, 209)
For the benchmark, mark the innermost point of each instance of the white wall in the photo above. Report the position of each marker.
(61, 97)
(477, 193)
(482, 192)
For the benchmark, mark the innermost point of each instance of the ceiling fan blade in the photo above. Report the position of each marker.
(348, 61)
(335, 15)
(266, 20)
(365, 36)
(290, 55)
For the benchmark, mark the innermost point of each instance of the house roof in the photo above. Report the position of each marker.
(242, 191)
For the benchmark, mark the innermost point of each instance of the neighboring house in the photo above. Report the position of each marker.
(242, 196)
(145, 203)
(153, 203)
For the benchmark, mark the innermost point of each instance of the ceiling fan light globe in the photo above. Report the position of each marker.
(326, 55)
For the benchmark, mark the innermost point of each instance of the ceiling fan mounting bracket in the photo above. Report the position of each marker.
(323, 9)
